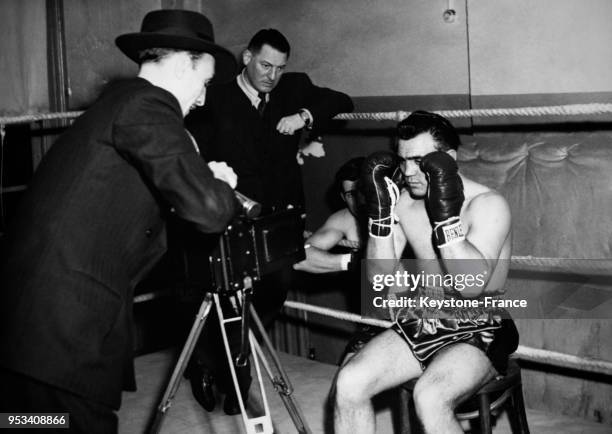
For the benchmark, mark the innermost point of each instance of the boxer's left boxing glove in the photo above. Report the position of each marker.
(380, 191)
(444, 197)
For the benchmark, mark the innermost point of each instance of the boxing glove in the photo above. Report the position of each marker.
(380, 191)
(444, 197)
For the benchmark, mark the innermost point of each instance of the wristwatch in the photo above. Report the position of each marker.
(305, 117)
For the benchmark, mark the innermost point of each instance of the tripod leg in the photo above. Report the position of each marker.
(260, 425)
(179, 369)
(264, 422)
(243, 357)
(281, 384)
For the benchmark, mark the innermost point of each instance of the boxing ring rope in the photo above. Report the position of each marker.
(548, 357)
(558, 110)
(580, 266)
(553, 110)
(8, 120)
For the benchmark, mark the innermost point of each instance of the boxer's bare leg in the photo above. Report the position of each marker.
(455, 373)
(384, 363)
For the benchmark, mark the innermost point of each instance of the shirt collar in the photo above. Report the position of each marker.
(249, 90)
(193, 141)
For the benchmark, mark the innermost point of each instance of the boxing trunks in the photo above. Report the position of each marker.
(361, 337)
(427, 332)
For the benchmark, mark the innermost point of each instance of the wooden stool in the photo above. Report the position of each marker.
(506, 391)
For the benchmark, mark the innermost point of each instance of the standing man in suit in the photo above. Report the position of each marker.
(92, 224)
(254, 123)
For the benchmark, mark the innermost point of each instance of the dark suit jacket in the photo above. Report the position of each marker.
(88, 229)
(228, 128)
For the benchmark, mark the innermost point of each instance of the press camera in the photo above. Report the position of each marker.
(255, 247)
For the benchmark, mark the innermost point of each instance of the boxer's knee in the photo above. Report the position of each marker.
(430, 401)
(353, 384)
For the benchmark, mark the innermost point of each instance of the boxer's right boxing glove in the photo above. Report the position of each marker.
(380, 192)
(444, 197)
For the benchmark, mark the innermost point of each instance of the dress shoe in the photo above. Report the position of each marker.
(202, 388)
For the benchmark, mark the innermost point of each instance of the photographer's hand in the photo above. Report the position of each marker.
(222, 171)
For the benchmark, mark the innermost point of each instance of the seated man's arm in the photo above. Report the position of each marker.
(318, 258)
(469, 238)
(487, 222)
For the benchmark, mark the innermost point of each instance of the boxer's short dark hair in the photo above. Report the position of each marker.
(440, 128)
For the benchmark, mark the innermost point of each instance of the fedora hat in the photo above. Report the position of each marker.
(180, 30)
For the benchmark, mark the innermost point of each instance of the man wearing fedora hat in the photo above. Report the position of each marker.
(254, 123)
(92, 224)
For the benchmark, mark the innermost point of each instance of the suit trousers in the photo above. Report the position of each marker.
(22, 394)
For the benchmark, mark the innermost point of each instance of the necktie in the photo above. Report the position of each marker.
(262, 103)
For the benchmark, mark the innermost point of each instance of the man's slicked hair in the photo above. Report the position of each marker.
(440, 128)
(349, 171)
(271, 37)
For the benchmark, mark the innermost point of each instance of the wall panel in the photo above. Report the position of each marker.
(23, 57)
(92, 56)
(363, 47)
(543, 46)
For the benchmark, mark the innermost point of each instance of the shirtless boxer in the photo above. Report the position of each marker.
(345, 224)
(442, 216)
(342, 225)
